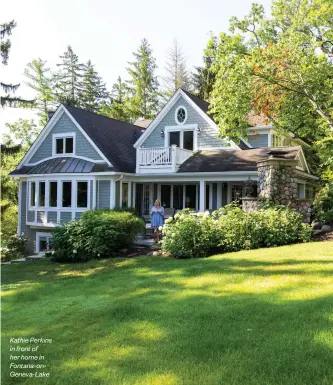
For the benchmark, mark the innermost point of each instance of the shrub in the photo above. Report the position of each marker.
(9, 222)
(232, 229)
(14, 247)
(97, 234)
(323, 204)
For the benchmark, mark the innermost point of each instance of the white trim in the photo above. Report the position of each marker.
(47, 129)
(63, 136)
(40, 234)
(302, 159)
(181, 130)
(66, 156)
(179, 93)
(176, 115)
(19, 220)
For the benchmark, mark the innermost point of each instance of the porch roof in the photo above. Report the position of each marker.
(234, 160)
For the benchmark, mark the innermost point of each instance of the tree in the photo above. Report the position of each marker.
(23, 132)
(203, 78)
(8, 99)
(40, 81)
(177, 74)
(93, 90)
(279, 68)
(117, 108)
(67, 81)
(143, 86)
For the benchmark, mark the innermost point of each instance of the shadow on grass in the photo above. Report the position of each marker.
(160, 321)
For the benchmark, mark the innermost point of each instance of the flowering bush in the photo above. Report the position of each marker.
(97, 234)
(232, 229)
(15, 247)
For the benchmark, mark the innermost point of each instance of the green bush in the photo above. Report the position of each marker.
(232, 229)
(323, 204)
(97, 234)
(14, 247)
(9, 222)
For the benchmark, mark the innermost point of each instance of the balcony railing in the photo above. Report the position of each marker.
(157, 158)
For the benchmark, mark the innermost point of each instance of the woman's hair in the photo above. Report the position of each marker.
(158, 201)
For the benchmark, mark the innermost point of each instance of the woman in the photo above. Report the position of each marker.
(157, 218)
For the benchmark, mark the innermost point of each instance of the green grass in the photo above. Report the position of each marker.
(261, 317)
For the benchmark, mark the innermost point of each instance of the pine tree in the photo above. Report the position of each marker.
(143, 101)
(203, 79)
(93, 90)
(5, 31)
(117, 108)
(177, 74)
(40, 81)
(67, 81)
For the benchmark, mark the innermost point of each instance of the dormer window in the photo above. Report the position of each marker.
(63, 144)
(181, 115)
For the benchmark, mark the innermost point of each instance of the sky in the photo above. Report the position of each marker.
(107, 32)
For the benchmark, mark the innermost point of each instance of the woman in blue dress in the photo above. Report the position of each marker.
(157, 218)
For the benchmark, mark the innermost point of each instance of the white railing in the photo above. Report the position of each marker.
(161, 157)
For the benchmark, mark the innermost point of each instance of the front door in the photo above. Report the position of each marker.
(174, 138)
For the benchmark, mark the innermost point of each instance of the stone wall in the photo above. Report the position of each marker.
(304, 207)
(250, 204)
(277, 181)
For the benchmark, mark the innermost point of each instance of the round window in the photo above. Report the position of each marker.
(181, 115)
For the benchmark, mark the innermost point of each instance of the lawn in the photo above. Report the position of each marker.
(260, 317)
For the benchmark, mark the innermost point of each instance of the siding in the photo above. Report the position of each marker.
(77, 215)
(63, 125)
(258, 140)
(207, 137)
(31, 216)
(103, 194)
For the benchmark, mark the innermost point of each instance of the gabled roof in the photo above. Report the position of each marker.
(111, 138)
(234, 160)
(114, 138)
(199, 105)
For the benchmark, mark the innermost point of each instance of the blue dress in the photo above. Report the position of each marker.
(157, 216)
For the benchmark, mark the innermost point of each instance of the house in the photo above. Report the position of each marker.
(83, 161)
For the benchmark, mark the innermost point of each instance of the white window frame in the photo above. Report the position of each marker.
(40, 234)
(181, 129)
(176, 115)
(36, 196)
(63, 136)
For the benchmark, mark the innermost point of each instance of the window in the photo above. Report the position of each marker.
(236, 192)
(300, 190)
(53, 198)
(82, 194)
(44, 241)
(309, 192)
(33, 194)
(41, 199)
(66, 194)
(181, 115)
(64, 145)
(188, 140)
(277, 141)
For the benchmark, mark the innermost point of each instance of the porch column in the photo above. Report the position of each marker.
(184, 196)
(202, 202)
(159, 191)
(94, 194)
(112, 194)
(229, 197)
(134, 195)
(129, 194)
(171, 195)
(120, 193)
(210, 204)
(219, 195)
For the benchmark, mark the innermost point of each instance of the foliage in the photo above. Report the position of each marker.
(143, 85)
(8, 99)
(323, 203)
(9, 218)
(22, 131)
(279, 68)
(176, 73)
(15, 247)
(93, 90)
(117, 108)
(97, 234)
(67, 81)
(203, 78)
(232, 229)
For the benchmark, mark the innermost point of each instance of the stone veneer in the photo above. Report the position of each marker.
(277, 184)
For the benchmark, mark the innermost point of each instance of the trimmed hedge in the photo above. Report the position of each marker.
(97, 234)
(232, 229)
